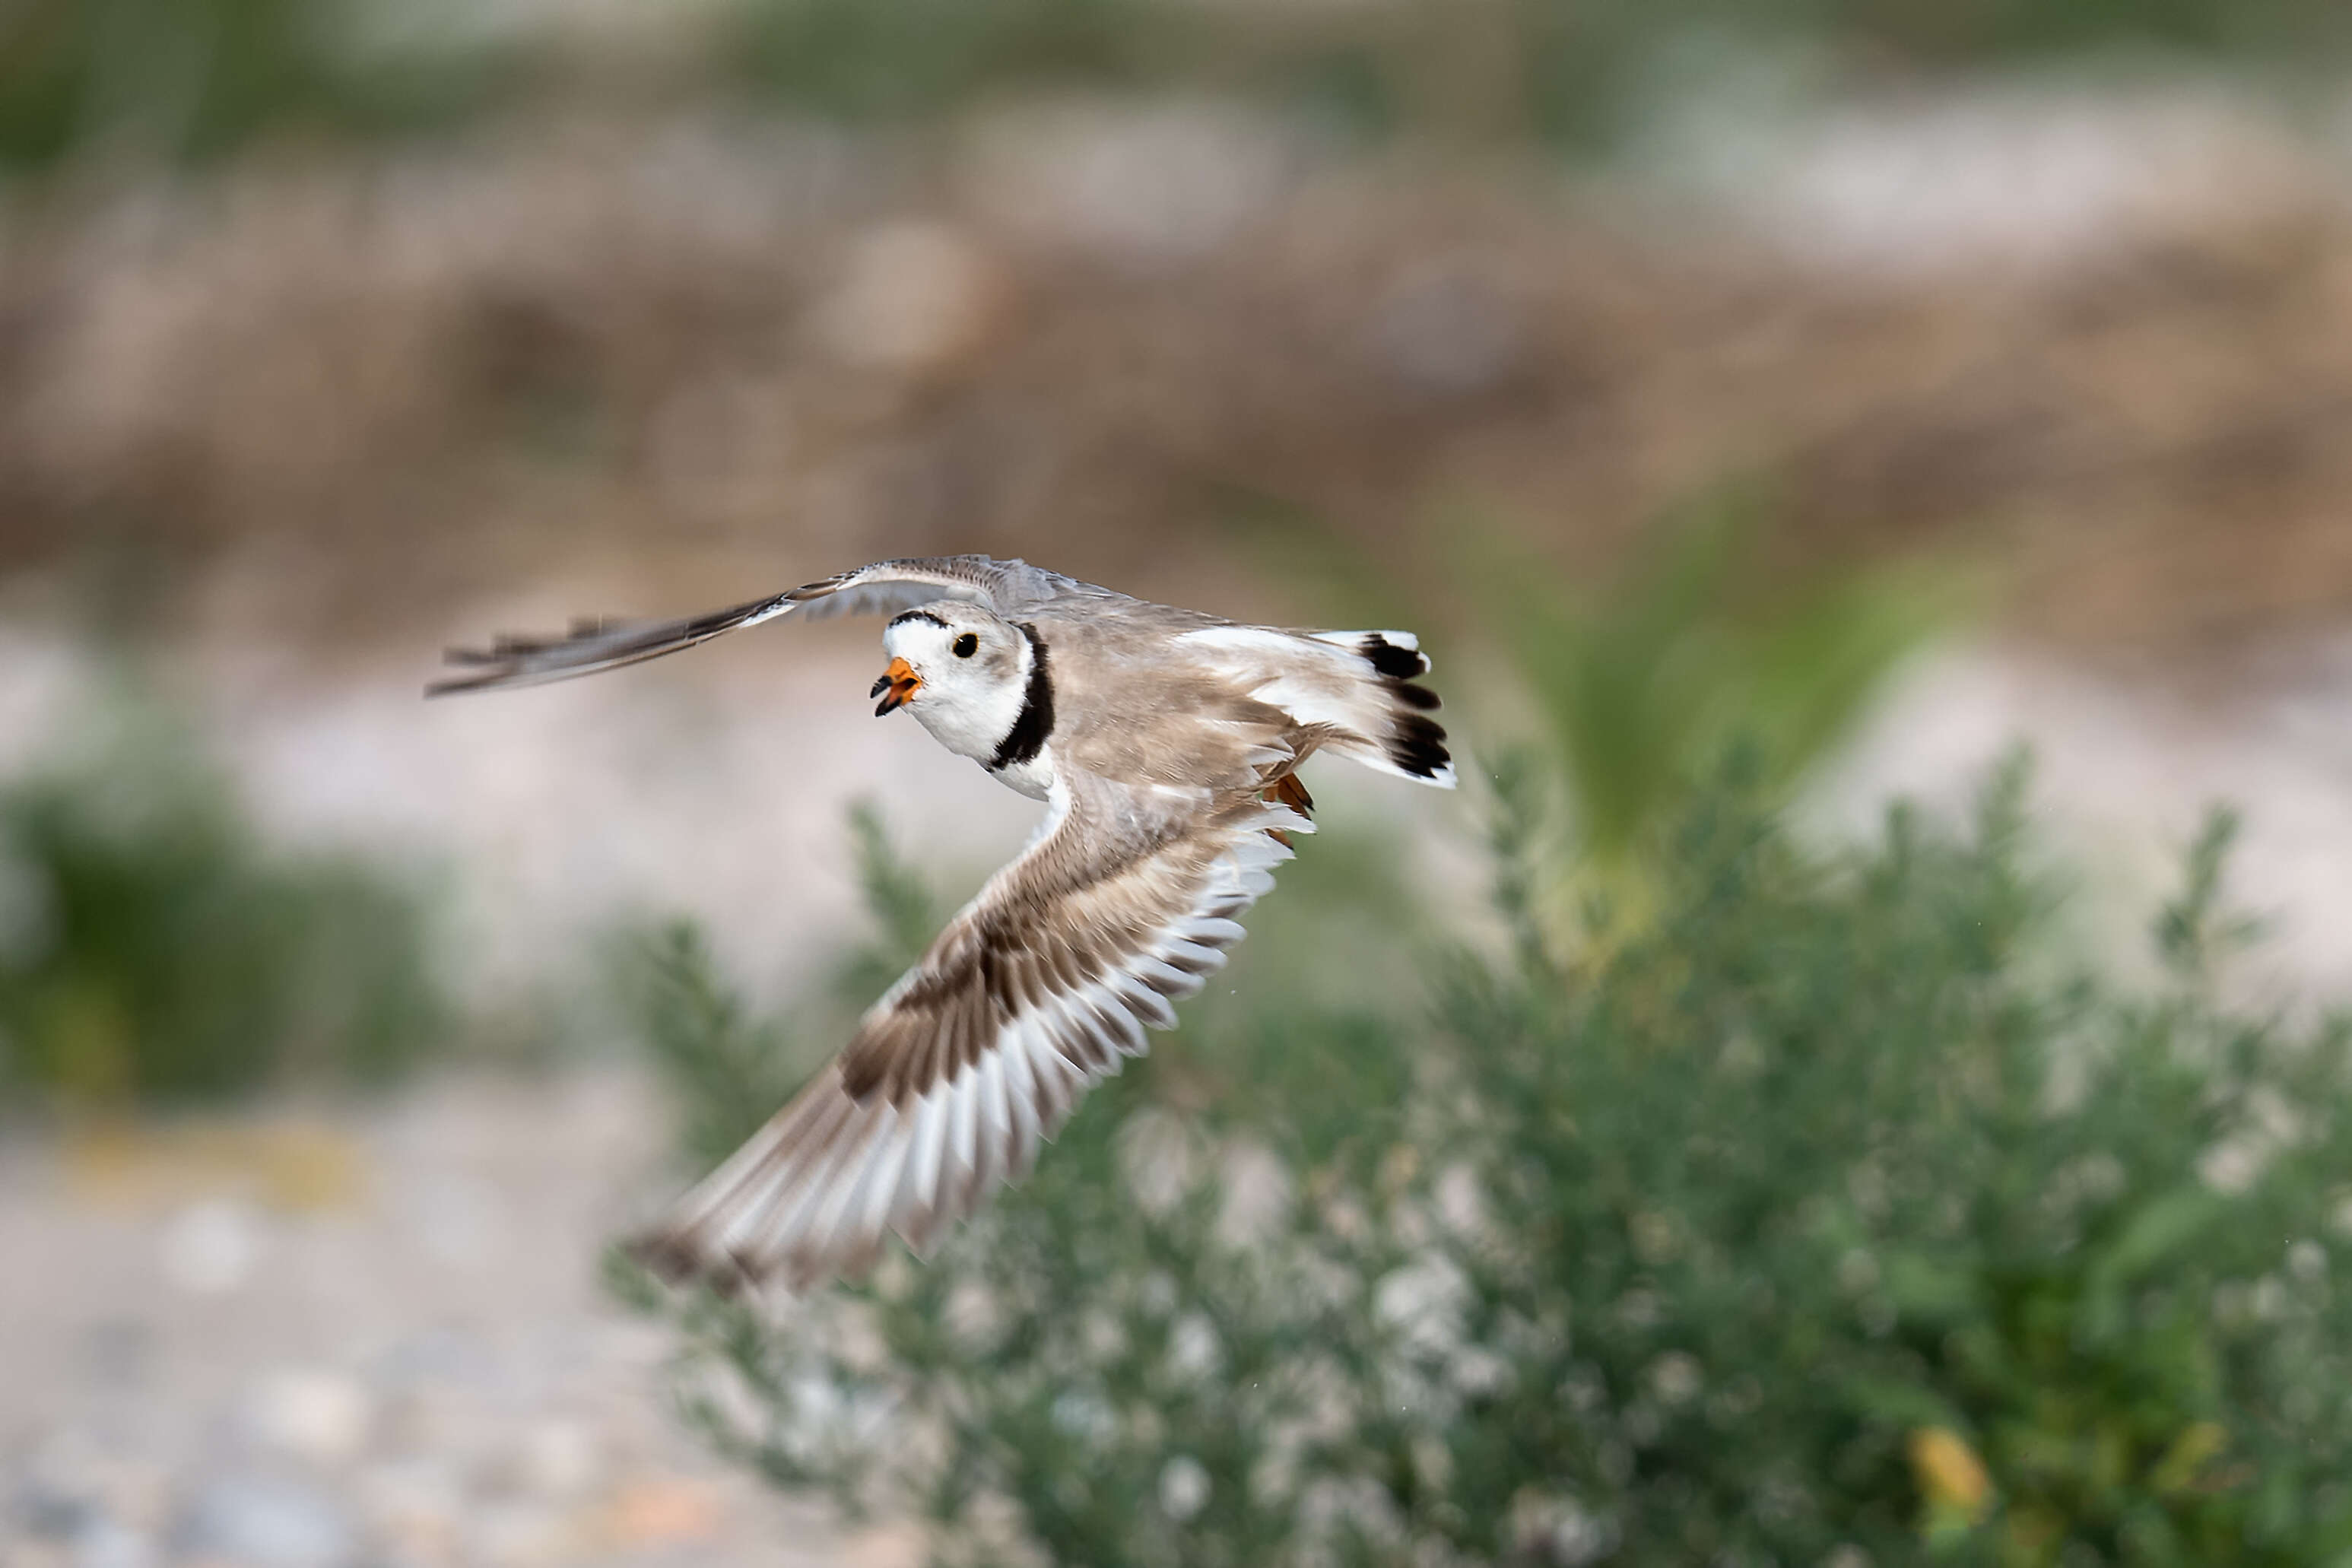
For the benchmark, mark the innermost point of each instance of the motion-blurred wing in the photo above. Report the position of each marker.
(1037, 988)
(884, 588)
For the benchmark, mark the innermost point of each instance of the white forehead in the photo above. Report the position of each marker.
(930, 627)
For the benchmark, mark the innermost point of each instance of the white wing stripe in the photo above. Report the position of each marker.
(819, 1189)
(996, 1118)
(1124, 1026)
(921, 1185)
(772, 1189)
(963, 1109)
(1144, 1001)
(1164, 977)
(838, 1186)
(879, 1188)
(1024, 1094)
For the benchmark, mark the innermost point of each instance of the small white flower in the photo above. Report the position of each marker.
(1676, 1376)
(1086, 1415)
(1193, 1350)
(1183, 1487)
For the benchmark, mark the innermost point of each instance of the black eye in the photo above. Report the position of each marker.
(967, 645)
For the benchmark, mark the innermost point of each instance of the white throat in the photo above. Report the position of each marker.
(974, 720)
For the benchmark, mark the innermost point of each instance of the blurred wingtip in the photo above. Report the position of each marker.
(673, 1261)
(478, 681)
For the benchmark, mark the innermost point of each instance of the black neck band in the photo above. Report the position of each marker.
(1029, 732)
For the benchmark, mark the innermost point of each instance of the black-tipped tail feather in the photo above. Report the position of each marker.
(1397, 660)
(1410, 742)
(1417, 747)
(1416, 744)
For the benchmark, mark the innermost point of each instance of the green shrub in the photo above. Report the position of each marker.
(151, 950)
(1567, 73)
(196, 79)
(1644, 683)
(1828, 1217)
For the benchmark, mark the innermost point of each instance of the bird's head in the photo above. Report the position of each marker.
(962, 670)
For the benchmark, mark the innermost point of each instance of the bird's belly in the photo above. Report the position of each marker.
(1033, 778)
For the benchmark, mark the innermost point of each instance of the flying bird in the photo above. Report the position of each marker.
(1166, 744)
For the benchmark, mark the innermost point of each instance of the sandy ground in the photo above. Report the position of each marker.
(321, 1338)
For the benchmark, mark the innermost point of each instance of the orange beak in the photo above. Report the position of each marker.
(900, 682)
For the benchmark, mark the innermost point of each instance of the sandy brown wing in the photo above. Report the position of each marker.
(1040, 986)
(884, 588)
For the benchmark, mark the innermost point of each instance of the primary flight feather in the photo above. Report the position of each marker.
(1165, 743)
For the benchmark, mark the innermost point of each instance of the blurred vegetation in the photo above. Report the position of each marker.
(1830, 1218)
(1644, 682)
(152, 951)
(1568, 73)
(198, 78)
(730, 1070)
(167, 79)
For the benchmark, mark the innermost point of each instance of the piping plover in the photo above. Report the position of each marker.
(1165, 743)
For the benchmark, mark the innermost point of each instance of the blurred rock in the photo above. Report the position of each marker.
(891, 1546)
(559, 1458)
(413, 1508)
(120, 1351)
(47, 1511)
(662, 1511)
(323, 1417)
(456, 1220)
(357, 1402)
(2018, 173)
(262, 1521)
(1149, 187)
(211, 1248)
(517, 1534)
(106, 1543)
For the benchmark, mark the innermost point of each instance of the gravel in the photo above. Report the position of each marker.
(208, 1366)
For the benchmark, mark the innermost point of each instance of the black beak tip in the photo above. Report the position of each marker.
(881, 684)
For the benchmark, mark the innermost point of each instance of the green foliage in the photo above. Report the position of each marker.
(151, 950)
(1643, 687)
(196, 79)
(1562, 71)
(1824, 1211)
(193, 78)
(901, 58)
(727, 1072)
(2194, 932)
(906, 914)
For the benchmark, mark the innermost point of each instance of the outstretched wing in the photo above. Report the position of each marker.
(1037, 988)
(885, 587)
